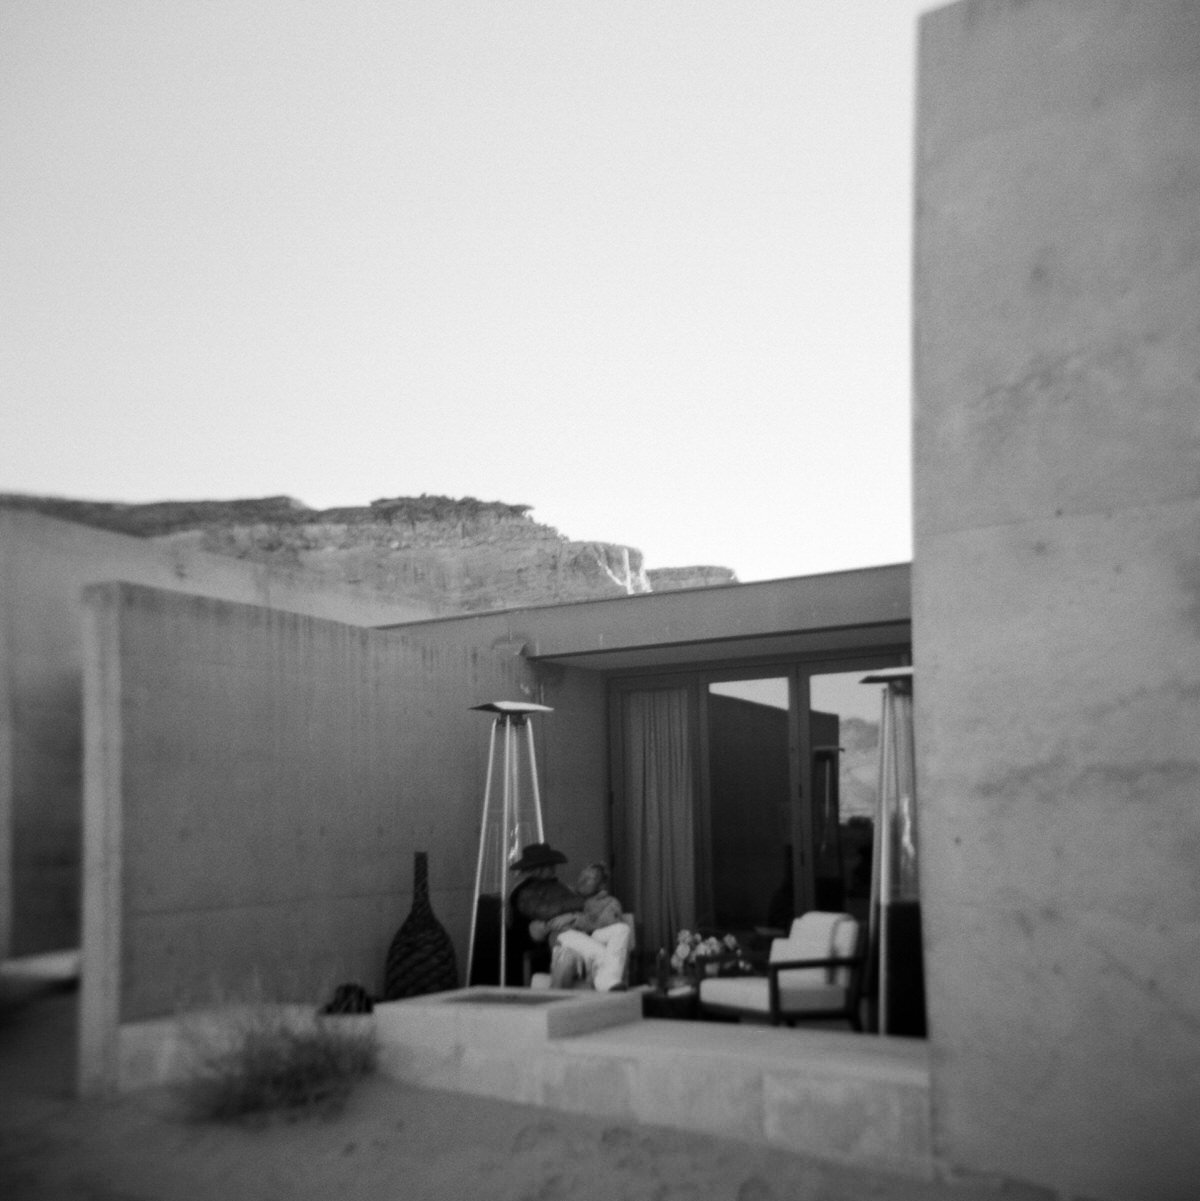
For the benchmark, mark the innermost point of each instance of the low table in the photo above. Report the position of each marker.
(681, 1004)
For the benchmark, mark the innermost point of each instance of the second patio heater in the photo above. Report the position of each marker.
(895, 940)
(512, 819)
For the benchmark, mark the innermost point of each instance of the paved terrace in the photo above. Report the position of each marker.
(841, 1097)
(746, 1103)
(849, 1099)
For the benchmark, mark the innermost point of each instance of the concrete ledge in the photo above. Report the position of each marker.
(50, 967)
(488, 1016)
(31, 976)
(843, 1098)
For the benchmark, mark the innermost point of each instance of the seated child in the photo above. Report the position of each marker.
(600, 907)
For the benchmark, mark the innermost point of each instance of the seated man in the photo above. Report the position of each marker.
(539, 895)
(559, 914)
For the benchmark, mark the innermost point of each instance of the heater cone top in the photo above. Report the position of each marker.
(513, 707)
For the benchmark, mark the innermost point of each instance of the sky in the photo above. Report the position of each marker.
(836, 692)
(642, 265)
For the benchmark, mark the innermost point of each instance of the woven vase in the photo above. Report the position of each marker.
(421, 958)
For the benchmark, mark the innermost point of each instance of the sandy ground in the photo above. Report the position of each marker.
(391, 1141)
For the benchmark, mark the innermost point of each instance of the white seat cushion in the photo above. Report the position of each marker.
(738, 992)
(844, 944)
(816, 935)
(750, 993)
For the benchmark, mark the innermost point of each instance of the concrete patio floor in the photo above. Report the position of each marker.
(393, 1139)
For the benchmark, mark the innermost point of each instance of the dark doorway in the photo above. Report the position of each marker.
(749, 801)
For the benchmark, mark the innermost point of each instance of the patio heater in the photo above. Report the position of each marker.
(829, 878)
(895, 937)
(512, 818)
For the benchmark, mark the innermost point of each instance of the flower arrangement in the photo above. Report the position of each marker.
(696, 954)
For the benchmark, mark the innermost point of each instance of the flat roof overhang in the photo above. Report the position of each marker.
(802, 615)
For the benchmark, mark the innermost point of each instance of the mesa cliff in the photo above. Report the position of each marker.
(454, 555)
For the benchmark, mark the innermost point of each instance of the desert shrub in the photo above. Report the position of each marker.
(269, 1061)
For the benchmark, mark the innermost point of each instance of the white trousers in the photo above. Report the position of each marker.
(604, 953)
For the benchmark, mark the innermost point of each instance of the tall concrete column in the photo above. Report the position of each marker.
(1056, 588)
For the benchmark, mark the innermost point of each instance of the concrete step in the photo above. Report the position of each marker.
(845, 1098)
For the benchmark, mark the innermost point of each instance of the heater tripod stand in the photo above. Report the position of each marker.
(512, 819)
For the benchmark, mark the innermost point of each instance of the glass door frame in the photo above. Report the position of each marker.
(864, 662)
(696, 678)
(704, 848)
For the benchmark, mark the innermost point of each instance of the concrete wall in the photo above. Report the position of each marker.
(1056, 603)
(806, 614)
(43, 565)
(573, 763)
(256, 784)
(573, 758)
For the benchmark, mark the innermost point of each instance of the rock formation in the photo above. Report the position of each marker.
(456, 555)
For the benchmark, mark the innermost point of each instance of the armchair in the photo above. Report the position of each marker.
(814, 973)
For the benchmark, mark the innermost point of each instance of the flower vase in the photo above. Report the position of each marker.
(421, 958)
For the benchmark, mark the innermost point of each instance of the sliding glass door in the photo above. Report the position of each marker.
(746, 796)
(844, 717)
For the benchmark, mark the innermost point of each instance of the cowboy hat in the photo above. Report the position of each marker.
(538, 854)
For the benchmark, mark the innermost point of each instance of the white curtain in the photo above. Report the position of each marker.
(659, 795)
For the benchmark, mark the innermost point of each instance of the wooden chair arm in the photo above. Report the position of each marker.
(782, 965)
(773, 970)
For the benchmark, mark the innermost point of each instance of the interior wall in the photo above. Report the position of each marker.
(1056, 588)
(257, 783)
(750, 783)
(44, 563)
